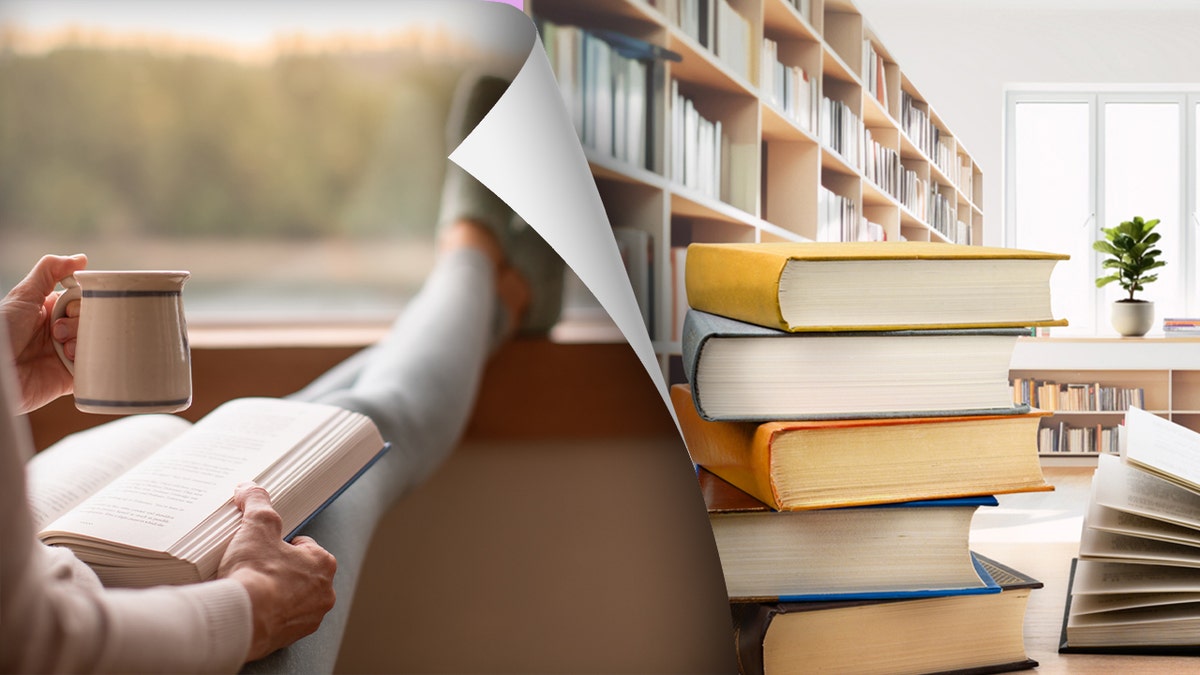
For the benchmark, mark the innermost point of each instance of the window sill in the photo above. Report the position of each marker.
(578, 326)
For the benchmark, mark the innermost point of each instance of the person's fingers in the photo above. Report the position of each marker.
(65, 329)
(73, 309)
(257, 512)
(45, 275)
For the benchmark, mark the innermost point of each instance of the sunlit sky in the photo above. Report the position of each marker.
(244, 24)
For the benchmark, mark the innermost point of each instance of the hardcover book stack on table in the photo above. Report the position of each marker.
(848, 409)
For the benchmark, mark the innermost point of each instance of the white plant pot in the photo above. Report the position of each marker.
(1132, 318)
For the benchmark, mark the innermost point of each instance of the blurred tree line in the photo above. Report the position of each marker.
(133, 142)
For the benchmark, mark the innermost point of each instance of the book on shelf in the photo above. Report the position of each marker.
(1066, 438)
(838, 219)
(808, 286)
(841, 130)
(733, 38)
(946, 634)
(1180, 327)
(696, 147)
(698, 19)
(873, 74)
(787, 87)
(910, 549)
(835, 463)
(607, 80)
(1076, 396)
(743, 372)
(147, 499)
(679, 302)
(636, 247)
(1136, 584)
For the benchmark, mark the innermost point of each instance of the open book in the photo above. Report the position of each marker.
(1136, 586)
(148, 499)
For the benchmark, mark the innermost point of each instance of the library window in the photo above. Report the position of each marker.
(294, 167)
(1078, 161)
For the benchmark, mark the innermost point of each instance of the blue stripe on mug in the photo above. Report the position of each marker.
(130, 294)
(132, 404)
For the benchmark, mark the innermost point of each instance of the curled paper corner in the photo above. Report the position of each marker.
(526, 151)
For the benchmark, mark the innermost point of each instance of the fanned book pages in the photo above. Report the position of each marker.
(910, 549)
(1136, 585)
(834, 463)
(840, 286)
(944, 634)
(147, 500)
(743, 372)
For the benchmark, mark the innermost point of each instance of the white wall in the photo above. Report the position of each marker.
(961, 54)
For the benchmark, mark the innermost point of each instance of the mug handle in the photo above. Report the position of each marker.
(71, 292)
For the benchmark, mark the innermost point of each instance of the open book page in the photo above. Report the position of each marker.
(1103, 518)
(1097, 544)
(1093, 576)
(1167, 449)
(169, 493)
(1123, 487)
(74, 468)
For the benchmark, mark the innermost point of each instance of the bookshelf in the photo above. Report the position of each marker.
(734, 145)
(1166, 372)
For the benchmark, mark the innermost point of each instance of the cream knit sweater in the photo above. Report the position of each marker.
(56, 617)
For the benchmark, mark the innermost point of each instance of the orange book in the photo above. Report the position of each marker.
(844, 286)
(850, 462)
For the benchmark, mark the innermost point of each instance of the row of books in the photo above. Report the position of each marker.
(696, 146)
(882, 165)
(838, 219)
(874, 76)
(918, 125)
(787, 87)
(1076, 396)
(1065, 438)
(718, 27)
(1181, 327)
(733, 39)
(608, 93)
(942, 214)
(841, 130)
(848, 408)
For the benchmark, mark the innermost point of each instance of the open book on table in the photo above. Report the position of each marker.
(1136, 585)
(148, 499)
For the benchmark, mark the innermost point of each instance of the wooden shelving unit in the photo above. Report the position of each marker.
(773, 167)
(1167, 370)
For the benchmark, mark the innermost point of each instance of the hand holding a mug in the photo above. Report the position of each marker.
(26, 311)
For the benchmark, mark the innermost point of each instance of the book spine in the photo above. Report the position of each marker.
(739, 452)
(738, 284)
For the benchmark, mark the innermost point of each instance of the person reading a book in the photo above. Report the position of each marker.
(418, 385)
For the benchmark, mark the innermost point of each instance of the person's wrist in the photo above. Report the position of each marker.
(261, 589)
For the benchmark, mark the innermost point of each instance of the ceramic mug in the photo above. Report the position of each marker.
(132, 353)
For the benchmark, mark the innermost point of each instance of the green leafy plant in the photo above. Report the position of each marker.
(1132, 254)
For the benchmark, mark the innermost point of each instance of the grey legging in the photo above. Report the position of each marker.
(418, 385)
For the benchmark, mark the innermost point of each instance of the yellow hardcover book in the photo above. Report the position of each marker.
(814, 464)
(872, 285)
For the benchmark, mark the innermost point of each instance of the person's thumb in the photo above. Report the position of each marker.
(45, 275)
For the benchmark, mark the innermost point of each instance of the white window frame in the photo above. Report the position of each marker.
(1096, 97)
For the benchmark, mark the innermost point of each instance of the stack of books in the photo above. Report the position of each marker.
(848, 409)
(1181, 327)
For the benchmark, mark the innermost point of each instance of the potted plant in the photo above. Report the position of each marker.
(1132, 255)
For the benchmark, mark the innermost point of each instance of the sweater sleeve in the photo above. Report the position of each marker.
(55, 615)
